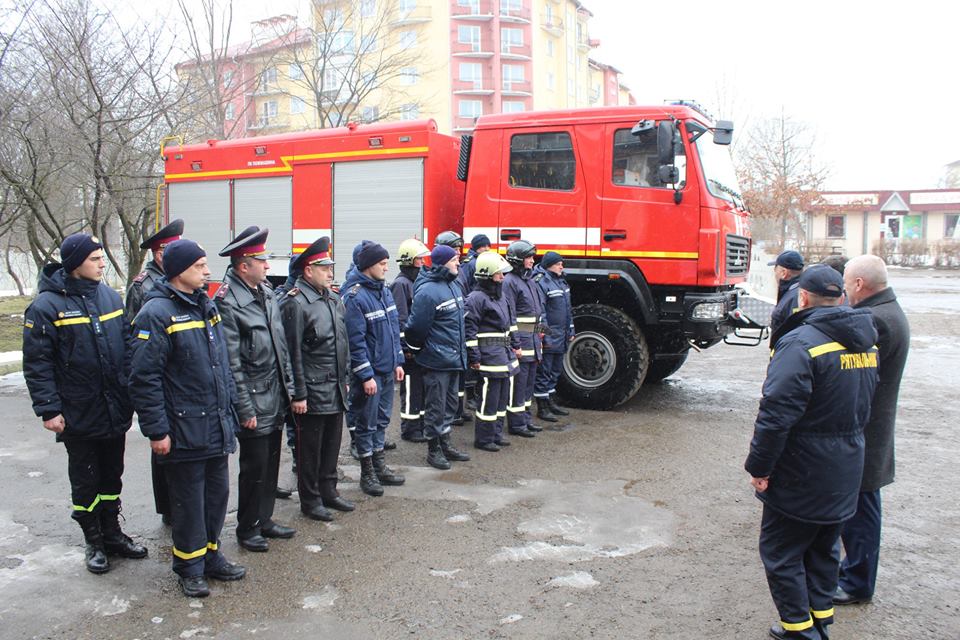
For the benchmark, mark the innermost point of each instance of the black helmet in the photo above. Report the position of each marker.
(451, 239)
(519, 251)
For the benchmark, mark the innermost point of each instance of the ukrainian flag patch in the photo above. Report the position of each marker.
(143, 334)
(28, 323)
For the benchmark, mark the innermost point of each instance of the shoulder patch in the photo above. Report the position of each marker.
(538, 277)
(353, 290)
(293, 292)
(140, 277)
(222, 291)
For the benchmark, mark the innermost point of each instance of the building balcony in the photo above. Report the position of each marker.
(519, 89)
(473, 87)
(477, 10)
(471, 50)
(262, 123)
(515, 51)
(417, 15)
(514, 14)
(584, 43)
(551, 24)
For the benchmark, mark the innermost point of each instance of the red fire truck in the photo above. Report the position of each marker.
(642, 202)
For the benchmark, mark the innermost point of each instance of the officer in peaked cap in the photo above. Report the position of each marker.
(136, 294)
(313, 319)
(257, 350)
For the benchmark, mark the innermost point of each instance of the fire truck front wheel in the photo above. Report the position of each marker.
(661, 368)
(607, 360)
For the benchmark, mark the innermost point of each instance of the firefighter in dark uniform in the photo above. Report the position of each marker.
(184, 394)
(136, 293)
(523, 293)
(492, 349)
(74, 349)
(313, 319)
(453, 240)
(376, 362)
(479, 244)
(806, 456)
(559, 313)
(257, 348)
(786, 269)
(410, 257)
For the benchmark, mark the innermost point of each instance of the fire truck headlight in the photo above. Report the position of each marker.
(709, 311)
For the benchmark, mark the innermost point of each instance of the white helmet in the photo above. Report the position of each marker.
(410, 250)
(489, 263)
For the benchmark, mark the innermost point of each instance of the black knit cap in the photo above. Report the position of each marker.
(180, 256)
(550, 258)
(75, 249)
(371, 255)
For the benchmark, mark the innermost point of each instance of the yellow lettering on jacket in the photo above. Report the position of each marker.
(858, 360)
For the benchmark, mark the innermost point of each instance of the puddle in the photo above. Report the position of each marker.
(576, 580)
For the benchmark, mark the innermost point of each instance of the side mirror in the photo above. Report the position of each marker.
(668, 174)
(642, 127)
(723, 132)
(666, 132)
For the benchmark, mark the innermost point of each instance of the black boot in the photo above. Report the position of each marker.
(385, 474)
(353, 446)
(544, 412)
(435, 457)
(369, 483)
(449, 452)
(556, 408)
(95, 554)
(115, 541)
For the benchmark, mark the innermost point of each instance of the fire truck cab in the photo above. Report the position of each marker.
(643, 204)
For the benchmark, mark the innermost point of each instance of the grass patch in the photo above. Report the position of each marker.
(11, 326)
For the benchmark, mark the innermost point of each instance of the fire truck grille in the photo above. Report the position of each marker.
(738, 255)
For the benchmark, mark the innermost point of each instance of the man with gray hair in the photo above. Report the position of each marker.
(865, 281)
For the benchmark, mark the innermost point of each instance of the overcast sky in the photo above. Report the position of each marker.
(876, 81)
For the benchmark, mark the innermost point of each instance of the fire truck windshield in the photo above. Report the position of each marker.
(717, 167)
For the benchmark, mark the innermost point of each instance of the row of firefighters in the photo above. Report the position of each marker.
(203, 373)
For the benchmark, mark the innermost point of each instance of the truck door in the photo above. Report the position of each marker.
(640, 218)
(204, 206)
(379, 200)
(266, 202)
(542, 192)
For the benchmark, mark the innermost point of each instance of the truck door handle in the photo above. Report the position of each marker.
(614, 234)
(510, 234)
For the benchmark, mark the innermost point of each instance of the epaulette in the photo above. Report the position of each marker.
(140, 277)
(537, 277)
(222, 291)
(354, 289)
(293, 291)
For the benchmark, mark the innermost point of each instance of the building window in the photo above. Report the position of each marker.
(297, 105)
(551, 80)
(510, 39)
(370, 114)
(549, 48)
(542, 161)
(230, 113)
(368, 8)
(409, 112)
(513, 106)
(836, 226)
(471, 109)
(408, 39)
(227, 79)
(295, 72)
(368, 43)
(512, 74)
(635, 161)
(268, 78)
(473, 4)
(409, 76)
(332, 19)
(508, 7)
(469, 35)
(342, 43)
(472, 72)
(571, 86)
(407, 6)
(950, 229)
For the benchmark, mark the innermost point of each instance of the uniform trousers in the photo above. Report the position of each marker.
(861, 542)
(257, 483)
(371, 414)
(411, 400)
(95, 468)
(199, 490)
(319, 449)
(161, 498)
(521, 396)
(801, 561)
(439, 401)
(548, 373)
(491, 410)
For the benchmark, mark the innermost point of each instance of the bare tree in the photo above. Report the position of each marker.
(780, 176)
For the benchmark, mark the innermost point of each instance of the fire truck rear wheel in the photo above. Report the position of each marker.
(661, 368)
(607, 360)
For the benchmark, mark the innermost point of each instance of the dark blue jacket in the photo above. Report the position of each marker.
(487, 322)
(371, 319)
(788, 292)
(74, 356)
(557, 308)
(402, 291)
(466, 278)
(180, 379)
(524, 294)
(434, 330)
(808, 437)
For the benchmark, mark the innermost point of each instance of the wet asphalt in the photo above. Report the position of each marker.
(633, 523)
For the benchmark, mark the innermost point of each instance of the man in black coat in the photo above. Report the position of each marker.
(806, 456)
(136, 293)
(74, 350)
(257, 348)
(319, 349)
(865, 280)
(786, 269)
(184, 394)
